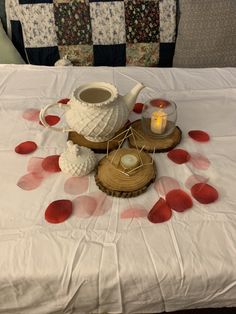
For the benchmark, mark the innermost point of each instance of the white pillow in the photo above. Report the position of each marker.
(8, 53)
(206, 34)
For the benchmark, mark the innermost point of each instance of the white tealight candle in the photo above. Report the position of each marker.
(158, 122)
(129, 161)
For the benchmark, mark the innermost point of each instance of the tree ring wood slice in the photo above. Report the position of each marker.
(97, 147)
(111, 179)
(160, 145)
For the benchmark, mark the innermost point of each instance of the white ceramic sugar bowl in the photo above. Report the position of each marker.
(77, 160)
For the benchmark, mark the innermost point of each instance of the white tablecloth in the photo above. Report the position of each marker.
(105, 263)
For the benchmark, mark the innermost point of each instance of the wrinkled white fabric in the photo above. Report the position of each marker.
(105, 263)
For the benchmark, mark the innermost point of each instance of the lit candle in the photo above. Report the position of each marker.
(158, 122)
(129, 161)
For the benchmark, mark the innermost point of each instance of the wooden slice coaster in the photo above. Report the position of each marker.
(97, 147)
(114, 179)
(160, 145)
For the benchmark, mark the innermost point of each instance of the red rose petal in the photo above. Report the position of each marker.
(179, 156)
(138, 107)
(51, 120)
(30, 181)
(63, 101)
(160, 103)
(199, 136)
(165, 184)
(160, 212)
(31, 114)
(58, 211)
(204, 193)
(179, 200)
(51, 163)
(26, 147)
(133, 213)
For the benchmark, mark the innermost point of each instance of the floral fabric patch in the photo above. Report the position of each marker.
(79, 55)
(12, 9)
(38, 25)
(167, 21)
(62, 1)
(108, 22)
(142, 54)
(72, 20)
(142, 21)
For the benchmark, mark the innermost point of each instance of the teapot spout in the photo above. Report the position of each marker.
(130, 98)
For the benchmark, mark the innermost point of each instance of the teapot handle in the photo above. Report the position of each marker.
(42, 115)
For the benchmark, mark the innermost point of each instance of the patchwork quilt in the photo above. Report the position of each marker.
(94, 32)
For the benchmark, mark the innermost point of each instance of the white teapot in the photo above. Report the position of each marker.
(96, 110)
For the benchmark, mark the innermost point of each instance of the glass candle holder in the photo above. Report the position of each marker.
(159, 117)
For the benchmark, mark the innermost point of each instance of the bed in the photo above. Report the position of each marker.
(113, 262)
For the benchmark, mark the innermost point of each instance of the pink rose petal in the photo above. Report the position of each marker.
(29, 181)
(165, 184)
(35, 166)
(31, 114)
(199, 161)
(76, 185)
(104, 203)
(84, 206)
(133, 212)
(194, 179)
(94, 204)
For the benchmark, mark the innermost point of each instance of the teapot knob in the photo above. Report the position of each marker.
(73, 148)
